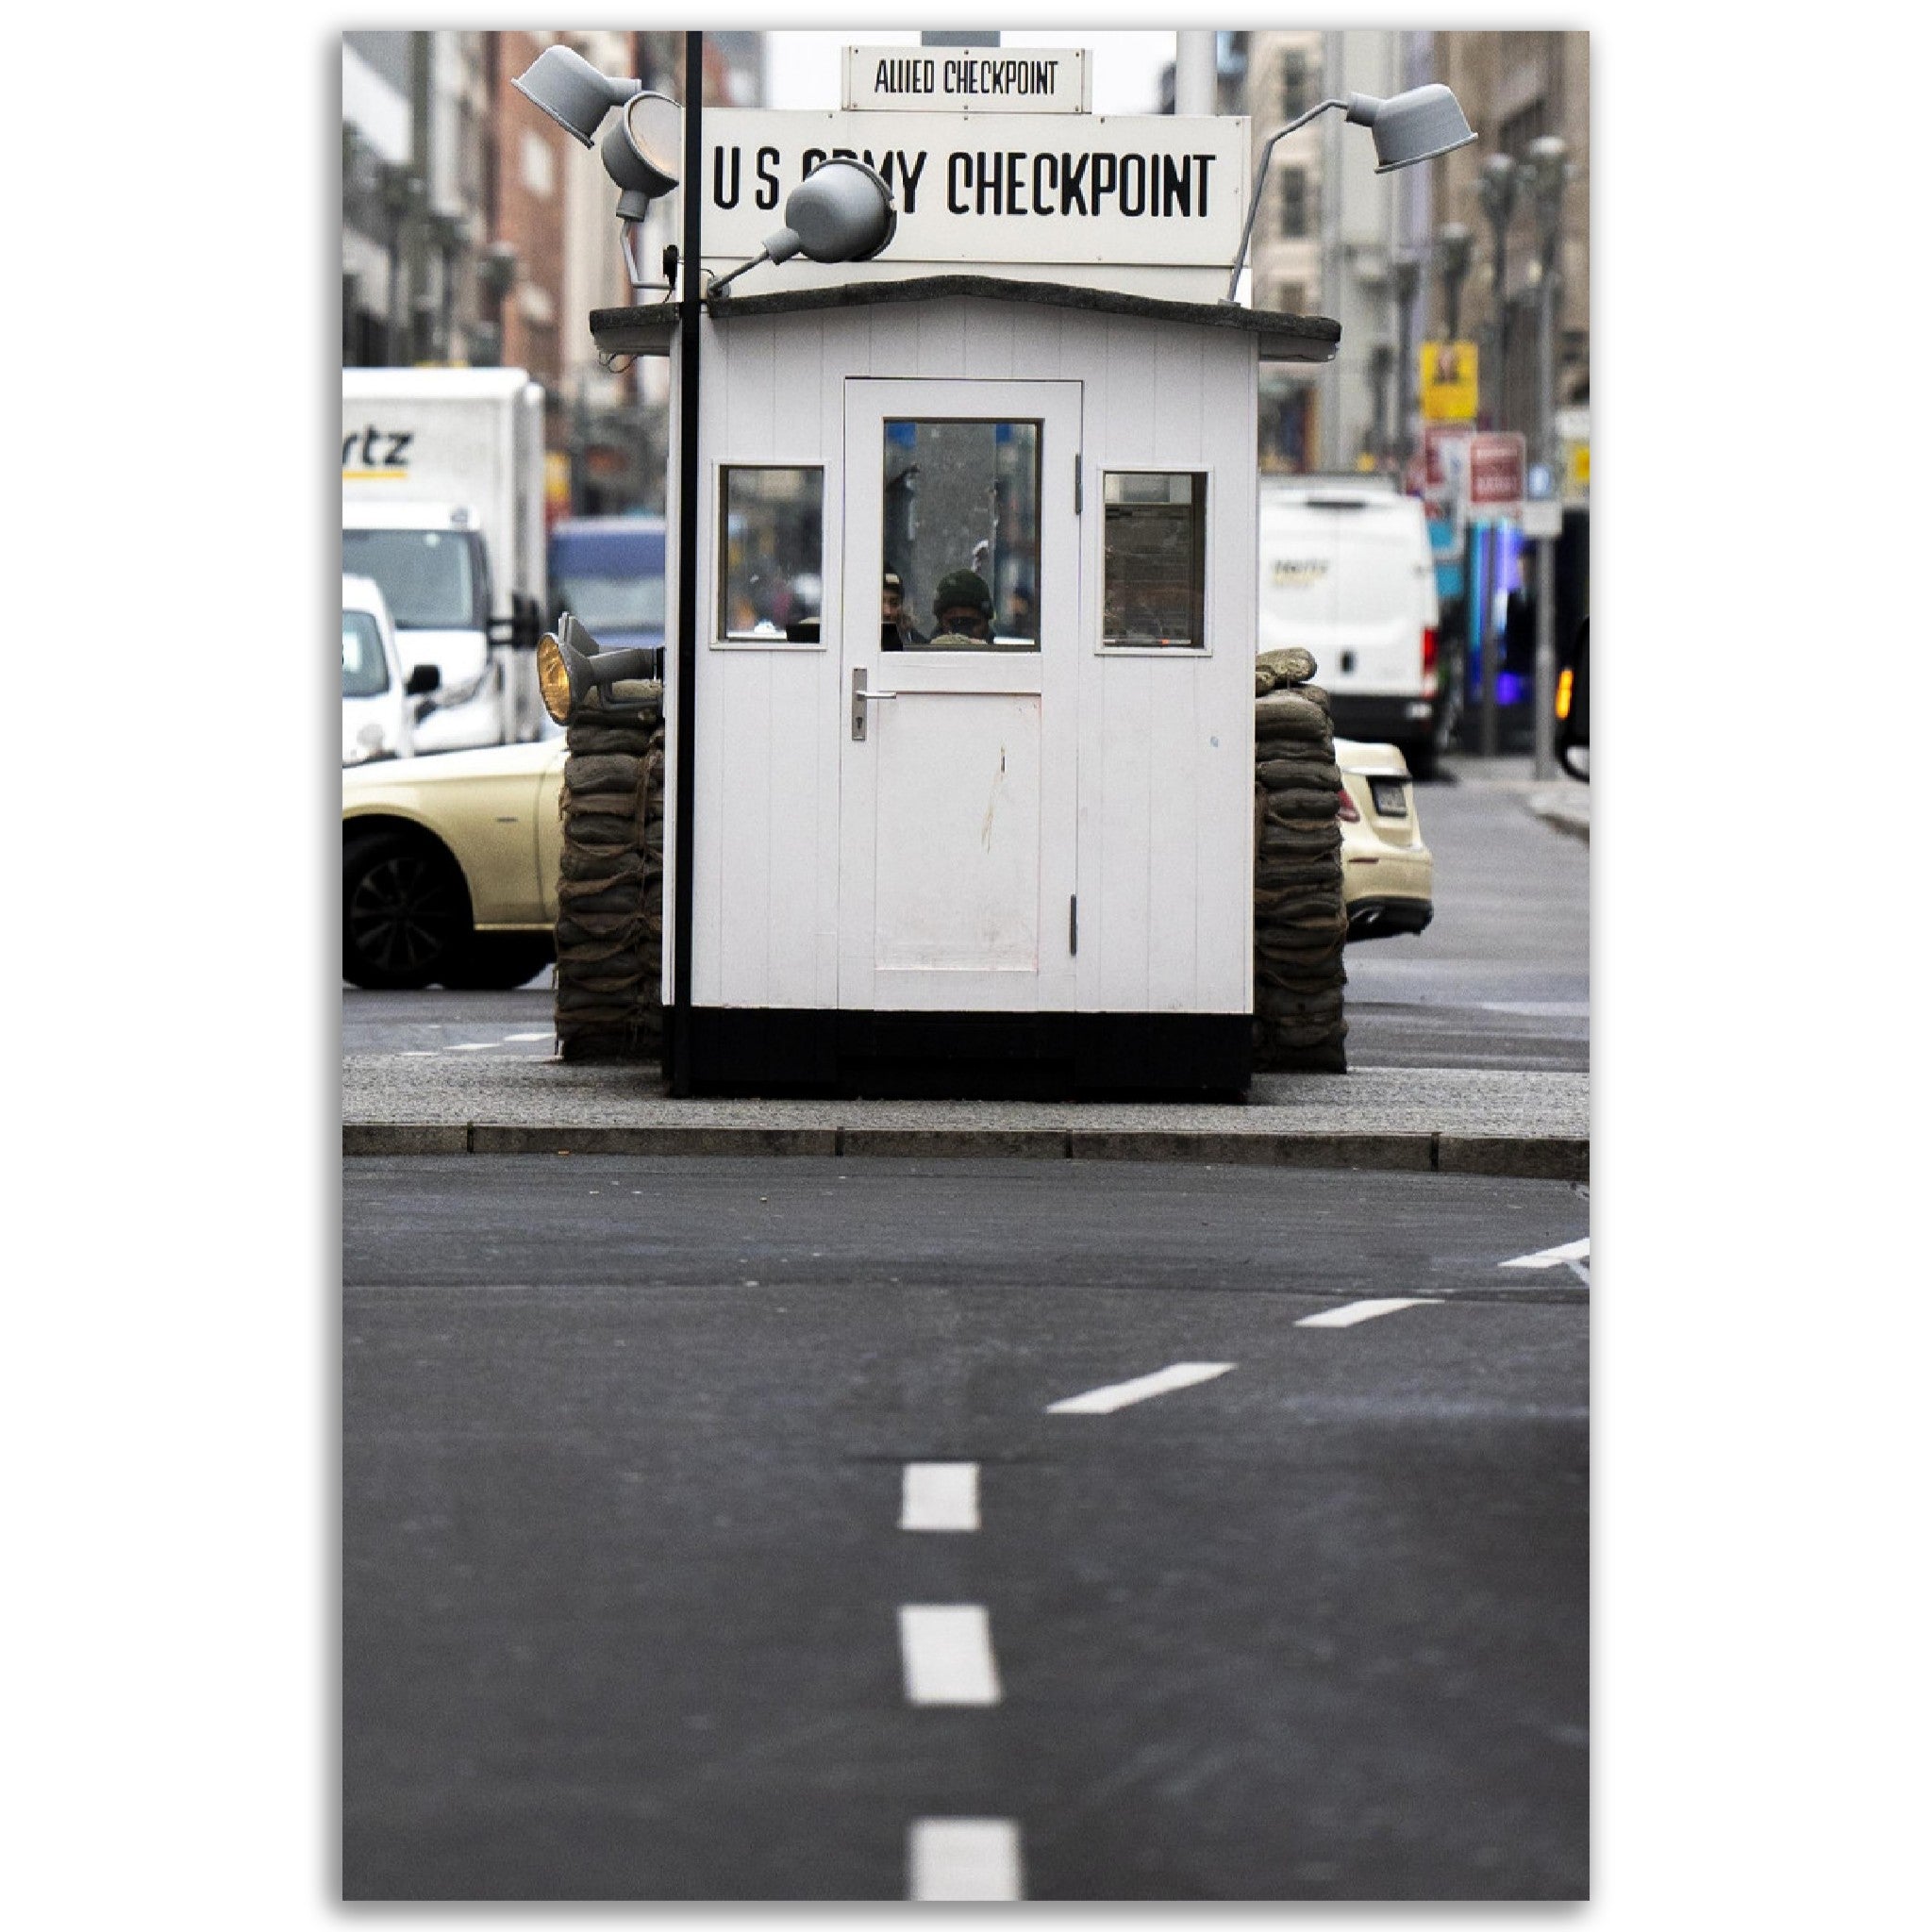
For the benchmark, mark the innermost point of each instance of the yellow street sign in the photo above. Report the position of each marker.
(1447, 383)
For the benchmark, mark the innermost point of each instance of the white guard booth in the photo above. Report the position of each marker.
(1003, 843)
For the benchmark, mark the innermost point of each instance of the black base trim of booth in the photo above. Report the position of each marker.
(758, 1052)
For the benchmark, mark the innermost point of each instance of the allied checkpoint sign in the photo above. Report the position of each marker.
(1151, 204)
(968, 80)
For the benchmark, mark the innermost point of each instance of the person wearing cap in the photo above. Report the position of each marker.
(963, 606)
(896, 631)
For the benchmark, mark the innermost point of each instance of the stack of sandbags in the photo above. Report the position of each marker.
(1300, 922)
(610, 891)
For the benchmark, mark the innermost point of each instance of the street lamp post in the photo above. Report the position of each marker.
(401, 189)
(1380, 358)
(1405, 279)
(1496, 186)
(1546, 172)
(452, 236)
(497, 271)
(1453, 247)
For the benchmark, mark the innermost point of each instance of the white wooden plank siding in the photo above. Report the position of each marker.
(1164, 820)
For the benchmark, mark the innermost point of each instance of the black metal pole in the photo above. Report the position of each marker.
(690, 311)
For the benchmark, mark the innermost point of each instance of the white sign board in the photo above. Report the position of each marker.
(969, 81)
(1124, 189)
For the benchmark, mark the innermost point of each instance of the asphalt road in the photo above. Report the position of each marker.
(629, 1612)
(1501, 978)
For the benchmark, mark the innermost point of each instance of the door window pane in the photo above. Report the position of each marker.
(1156, 559)
(962, 520)
(772, 522)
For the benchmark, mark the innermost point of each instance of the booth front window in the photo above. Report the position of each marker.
(772, 522)
(1155, 564)
(960, 568)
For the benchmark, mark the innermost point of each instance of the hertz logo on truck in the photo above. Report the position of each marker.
(374, 452)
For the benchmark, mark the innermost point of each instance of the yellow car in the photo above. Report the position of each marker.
(1388, 873)
(450, 864)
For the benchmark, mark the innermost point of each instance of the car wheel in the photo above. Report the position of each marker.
(406, 911)
(494, 962)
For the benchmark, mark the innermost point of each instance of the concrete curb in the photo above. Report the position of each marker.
(1526, 1156)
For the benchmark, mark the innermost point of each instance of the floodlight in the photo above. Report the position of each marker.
(644, 153)
(573, 92)
(842, 211)
(571, 671)
(1413, 126)
(1407, 127)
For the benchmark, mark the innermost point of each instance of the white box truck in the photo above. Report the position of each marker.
(1347, 572)
(442, 505)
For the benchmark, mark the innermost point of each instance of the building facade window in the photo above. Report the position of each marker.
(1295, 83)
(1523, 126)
(1294, 201)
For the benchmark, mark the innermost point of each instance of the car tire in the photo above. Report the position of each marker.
(406, 911)
(497, 961)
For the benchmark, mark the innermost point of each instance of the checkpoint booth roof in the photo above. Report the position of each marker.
(1003, 843)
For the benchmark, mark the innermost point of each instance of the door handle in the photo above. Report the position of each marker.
(860, 698)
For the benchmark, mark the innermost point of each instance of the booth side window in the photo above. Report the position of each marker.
(1155, 565)
(961, 513)
(771, 524)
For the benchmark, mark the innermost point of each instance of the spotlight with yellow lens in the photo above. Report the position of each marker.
(571, 677)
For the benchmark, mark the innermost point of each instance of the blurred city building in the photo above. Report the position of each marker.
(476, 231)
(1338, 240)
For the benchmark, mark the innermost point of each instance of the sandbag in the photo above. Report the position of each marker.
(1289, 666)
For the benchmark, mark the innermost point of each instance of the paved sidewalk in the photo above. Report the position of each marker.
(1561, 801)
(1535, 1126)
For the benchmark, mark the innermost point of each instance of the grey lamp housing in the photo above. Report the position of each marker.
(842, 211)
(573, 92)
(1413, 126)
(642, 151)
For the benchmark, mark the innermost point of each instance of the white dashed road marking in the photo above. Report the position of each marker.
(1348, 1316)
(939, 1495)
(508, 1038)
(963, 1860)
(1573, 1255)
(1119, 1394)
(946, 1649)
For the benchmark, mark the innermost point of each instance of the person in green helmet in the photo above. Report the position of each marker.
(962, 606)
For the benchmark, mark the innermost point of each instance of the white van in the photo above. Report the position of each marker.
(378, 702)
(1346, 573)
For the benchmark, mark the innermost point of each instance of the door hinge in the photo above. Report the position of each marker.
(1079, 484)
(1073, 923)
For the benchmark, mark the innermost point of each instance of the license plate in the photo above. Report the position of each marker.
(1387, 795)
